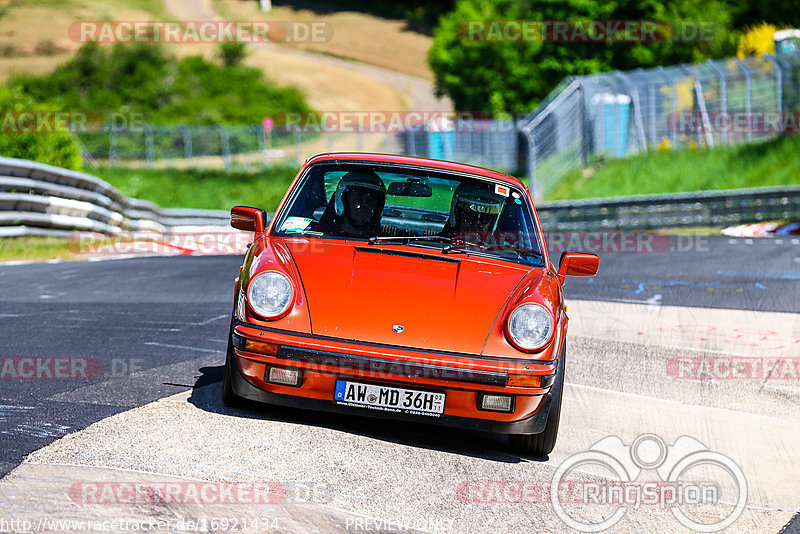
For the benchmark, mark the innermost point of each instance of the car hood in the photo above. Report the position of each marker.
(370, 292)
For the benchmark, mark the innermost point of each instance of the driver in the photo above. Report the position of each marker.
(358, 204)
(473, 211)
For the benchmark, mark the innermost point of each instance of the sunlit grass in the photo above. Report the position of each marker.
(203, 189)
(35, 249)
(775, 162)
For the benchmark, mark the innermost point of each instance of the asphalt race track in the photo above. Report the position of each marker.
(143, 340)
(701, 271)
(164, 317)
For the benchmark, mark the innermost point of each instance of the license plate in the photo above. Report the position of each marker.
(389, 399)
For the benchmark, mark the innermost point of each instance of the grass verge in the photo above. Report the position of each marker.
(775, 162)
(204, 189)
(35, 249)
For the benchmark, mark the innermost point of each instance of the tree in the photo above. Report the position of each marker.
(478, 69)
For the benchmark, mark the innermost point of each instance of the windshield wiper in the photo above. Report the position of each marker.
(399, 238)
(521, 251)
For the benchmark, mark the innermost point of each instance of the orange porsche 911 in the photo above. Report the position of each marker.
(406, 289)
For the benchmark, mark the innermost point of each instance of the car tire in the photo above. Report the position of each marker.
(229, 398)
(542, 444)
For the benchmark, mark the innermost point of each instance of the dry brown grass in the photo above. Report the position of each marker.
(34, 36)
(34, 39)
(327, 86)
(359, 36)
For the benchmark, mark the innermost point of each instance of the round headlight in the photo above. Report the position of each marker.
(270, 294)
(530, 326)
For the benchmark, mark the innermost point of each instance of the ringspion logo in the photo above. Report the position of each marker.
(685, 478)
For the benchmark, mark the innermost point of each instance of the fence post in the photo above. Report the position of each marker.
(112, 145)
(187, 145)
(148, 142)
(262, 144)
(700, 101)
(653, 141)
(635, 105)
(226, 149)
(535, 189)
(723, 92)
(672, 134)
(779, 83)
(584, 119)
(748, 98)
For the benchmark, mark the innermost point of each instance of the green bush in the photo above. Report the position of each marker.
(232, 54)
(55, 148)
(141, 81)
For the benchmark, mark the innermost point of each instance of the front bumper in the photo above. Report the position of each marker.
(322, 361)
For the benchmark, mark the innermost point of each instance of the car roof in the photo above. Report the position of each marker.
(414, 160)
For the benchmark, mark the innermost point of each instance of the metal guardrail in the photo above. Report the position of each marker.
(647, 212)
(40, 199)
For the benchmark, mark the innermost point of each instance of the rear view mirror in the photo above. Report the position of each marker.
(577, 264)
(410, 188)
(248, 219)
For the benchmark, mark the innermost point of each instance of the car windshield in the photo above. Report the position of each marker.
(414, 206)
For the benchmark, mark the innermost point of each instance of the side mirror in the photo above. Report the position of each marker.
(248, 219)
(577, 264)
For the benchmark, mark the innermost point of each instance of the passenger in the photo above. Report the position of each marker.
(474, 210)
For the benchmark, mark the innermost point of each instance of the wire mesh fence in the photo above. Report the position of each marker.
(197, 146)
(614, 115)
(489, 143)
(586, 118)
